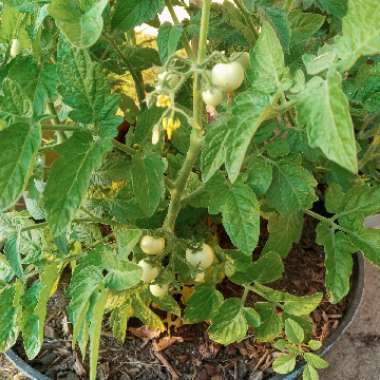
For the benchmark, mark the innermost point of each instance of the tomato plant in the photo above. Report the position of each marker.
(106, 140)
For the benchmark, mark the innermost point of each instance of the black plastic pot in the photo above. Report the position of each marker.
(354, 301)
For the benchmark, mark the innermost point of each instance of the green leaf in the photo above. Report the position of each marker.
(252, 316)
(267, 62)
(12, 253)
(203, 304)
(143, 312)
(10, 314)
(260, 175)
(267, 268)
(35, 309)
(84, 87)
(304, 25)
(360, 202)
(292, 188)
(338, 261)
(310, 373)
(122, 275)
(214, 147)
(148, 181)
(241, 217)
(86, 279)
(314, 345)
(168, 39)
(328, 121)
(337, 8)
(271, 326)
(131, 13)
(251, 108)
(119, 321)
(14, 103)
(315, 360)
(293, 305)
(70, 176)
(360, 30)
(294, 331)
(279, 21)
(81, 23)
(284, 231)
(126, 239)
(229, 324)
(19, 144)
(284, 364)
(95, 331)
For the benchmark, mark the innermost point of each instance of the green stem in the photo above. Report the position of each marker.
(136, 75)
(244, 296)
(188, 198)
(196, 137)
(123, 148)
(60, 128)
(185, 39)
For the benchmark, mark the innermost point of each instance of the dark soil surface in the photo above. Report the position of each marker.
(184, 351)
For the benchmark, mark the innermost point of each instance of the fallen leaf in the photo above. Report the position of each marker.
(165, 342)
(145, 333)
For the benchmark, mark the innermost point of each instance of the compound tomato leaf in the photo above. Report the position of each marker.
(251, 108)
(252, 316)
(284, 231)
(11, 312)
(294, 331)
(229, 324)
(35, 309)
(338, 261)
(315, 360)
(241, 217)
(272, 324)
(267, 62)
(168, 39)
(81, 24)
(284, 364)
(70, 176)
(310, 373)
(148, 181)
(19, 144)
(260, 175)
(203, 303)
(360, 32)
(362, 201)
(328, 122)
(268, 268)
(95, 330)
(131, 13)
(214, 147)
(292, 188)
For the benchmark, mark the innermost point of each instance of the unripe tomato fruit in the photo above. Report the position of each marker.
(159, 291)
(201, 259)
(212, 96)
(227, 76)
(156, 135)
(152, 246)
(15, 48)
(149, 272)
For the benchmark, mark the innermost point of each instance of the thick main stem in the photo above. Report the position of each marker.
(196, 137)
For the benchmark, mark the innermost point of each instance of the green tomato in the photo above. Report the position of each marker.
(202, 258)
(151, 245)
(200, 277)
(149, 272)
(227, 76)
(159, 291)
(212, 96)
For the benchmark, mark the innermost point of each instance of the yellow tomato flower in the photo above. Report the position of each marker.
(163, 101)
(170, 125)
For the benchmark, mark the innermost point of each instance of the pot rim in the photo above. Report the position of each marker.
(355, 299)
